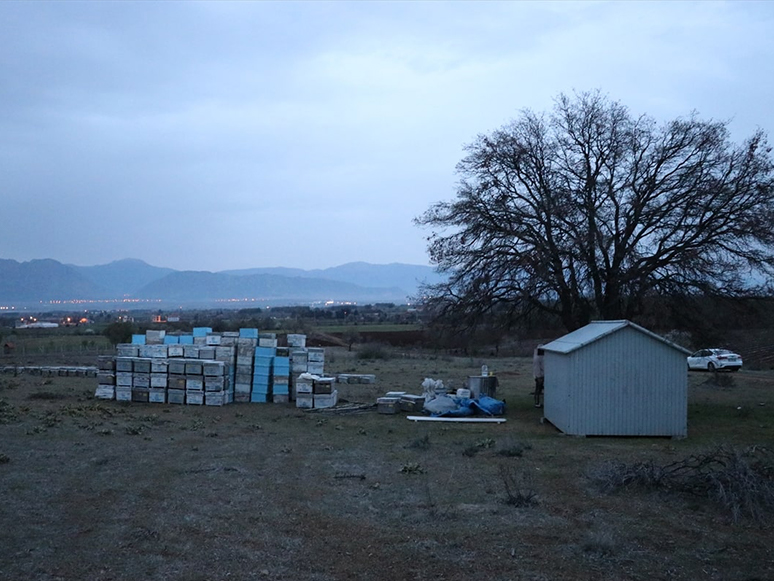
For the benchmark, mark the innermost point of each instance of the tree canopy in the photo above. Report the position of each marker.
(586, 211)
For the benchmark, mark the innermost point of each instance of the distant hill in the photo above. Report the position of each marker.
(44, 280)
(123, 277)
(197, 286)
(48, 280)
(405, 276)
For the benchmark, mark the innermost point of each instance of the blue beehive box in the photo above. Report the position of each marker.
(282, 365)
(171, 339)
(186, 339)
(201, 331)
(248, 333)
(263, 362)
(259, 397)
(261, 380)
(264, 352)
(138, 339)
(281, 389)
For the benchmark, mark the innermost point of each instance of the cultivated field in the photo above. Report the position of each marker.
(95, 490)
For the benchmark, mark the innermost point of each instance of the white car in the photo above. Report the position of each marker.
(715, 359)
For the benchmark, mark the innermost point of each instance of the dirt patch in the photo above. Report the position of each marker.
(109, 491)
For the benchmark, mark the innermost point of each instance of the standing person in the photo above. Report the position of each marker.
(538, 371)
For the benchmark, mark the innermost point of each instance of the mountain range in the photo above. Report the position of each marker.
(49, 281)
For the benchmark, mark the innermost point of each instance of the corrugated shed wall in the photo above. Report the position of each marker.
(624, 384)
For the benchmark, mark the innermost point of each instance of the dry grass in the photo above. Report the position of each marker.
(109, 491)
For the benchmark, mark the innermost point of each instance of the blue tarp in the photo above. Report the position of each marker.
(484, 405)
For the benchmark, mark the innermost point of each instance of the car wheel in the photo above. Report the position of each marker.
(710, 366)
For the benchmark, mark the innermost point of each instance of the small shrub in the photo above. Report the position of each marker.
(518, 489)
(471, 451)
(412, 468)
(612, 476)
(422, 443)
(4, 459)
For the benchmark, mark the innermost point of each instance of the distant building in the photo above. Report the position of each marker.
(615, 378)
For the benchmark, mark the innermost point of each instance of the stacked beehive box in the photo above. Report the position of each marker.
(280, 381)
(106, 377)
(208, 368)
(263, 365)
(245, 349)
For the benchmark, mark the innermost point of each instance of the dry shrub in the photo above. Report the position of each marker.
(519, 491)
(513, 449)
(422, 443)
(739, 481)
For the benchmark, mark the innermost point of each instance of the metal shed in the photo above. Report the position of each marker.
(615, 378)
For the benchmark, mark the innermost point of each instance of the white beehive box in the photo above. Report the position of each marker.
(214, 383)
(315, 367)
(316, 355)
(194, 397)
(105, 392)
(216, 398)
(124, 393)
(175, 350)
(157, 396)
(327, 400)
(159, 366)
(296, 340)
(127, 350)
(194, 383)
(154, 337)
(141, 380)
(123, 379)
(304, 400)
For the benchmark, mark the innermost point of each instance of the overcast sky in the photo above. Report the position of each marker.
(220, 135)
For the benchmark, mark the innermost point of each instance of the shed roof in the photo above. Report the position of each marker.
(595, 331)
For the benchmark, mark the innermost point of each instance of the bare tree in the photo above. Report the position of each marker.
(586, 211)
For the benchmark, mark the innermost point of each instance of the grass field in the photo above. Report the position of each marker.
(96, 490)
